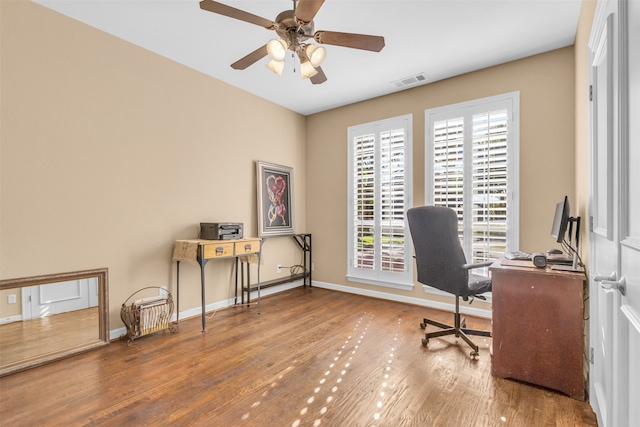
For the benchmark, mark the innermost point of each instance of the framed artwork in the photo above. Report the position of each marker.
(275, 199)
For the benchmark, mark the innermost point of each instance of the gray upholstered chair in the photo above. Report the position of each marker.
(441, 264)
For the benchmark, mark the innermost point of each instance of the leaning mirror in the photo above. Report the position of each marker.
(46, 318)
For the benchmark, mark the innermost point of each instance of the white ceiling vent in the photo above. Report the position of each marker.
(411, 80)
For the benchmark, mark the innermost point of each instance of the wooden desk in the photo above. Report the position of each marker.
(538, 327)
(198, 251)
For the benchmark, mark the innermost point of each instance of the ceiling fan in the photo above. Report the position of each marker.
(295, 27)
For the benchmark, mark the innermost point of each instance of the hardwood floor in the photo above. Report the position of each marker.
(35, 337)
(313, 357)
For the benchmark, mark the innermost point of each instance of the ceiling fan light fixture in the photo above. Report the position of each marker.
(316, 54)
(307, 70)
(277, 48)
(276, 66)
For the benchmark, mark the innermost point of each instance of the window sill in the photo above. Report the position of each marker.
(393, 285)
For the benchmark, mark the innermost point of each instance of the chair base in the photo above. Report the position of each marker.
(459, 329)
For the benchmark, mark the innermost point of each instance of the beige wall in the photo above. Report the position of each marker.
(110, 152)
(10, 310)
(547, 151)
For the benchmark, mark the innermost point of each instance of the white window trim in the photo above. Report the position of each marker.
(509, 100)
(402, 281)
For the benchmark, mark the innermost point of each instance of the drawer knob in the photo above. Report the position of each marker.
(247, 247)
(219, 250)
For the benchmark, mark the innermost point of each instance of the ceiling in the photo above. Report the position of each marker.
(437, 38)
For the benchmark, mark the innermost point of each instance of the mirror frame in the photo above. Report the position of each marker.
(103, 314)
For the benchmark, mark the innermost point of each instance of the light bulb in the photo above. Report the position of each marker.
(316, 54)
(307, 70)
(277, 49)
(276, 66)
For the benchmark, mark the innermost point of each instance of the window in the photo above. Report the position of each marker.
(471, 156)
(380, 188)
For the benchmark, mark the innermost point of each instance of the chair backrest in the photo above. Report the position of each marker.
(439, 255)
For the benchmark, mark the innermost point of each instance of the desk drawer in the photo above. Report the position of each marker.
(247, 247)
(218, 250)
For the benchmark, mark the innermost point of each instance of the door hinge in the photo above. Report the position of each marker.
(590, 223)
(590, 92)
(591, 355)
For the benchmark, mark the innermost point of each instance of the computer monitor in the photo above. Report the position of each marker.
(560, 220)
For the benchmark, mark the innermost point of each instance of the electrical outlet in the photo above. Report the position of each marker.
(313, 266)
(279, 268)
(11, 298)
(164, 292)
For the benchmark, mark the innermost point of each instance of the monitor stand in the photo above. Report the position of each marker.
(575, 266)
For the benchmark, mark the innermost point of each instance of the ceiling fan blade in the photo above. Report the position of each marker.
(306, 10)
(318, 78)
(356, 41)
(250, 59)
(232, 12)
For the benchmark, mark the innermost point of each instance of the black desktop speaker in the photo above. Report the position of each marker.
(539, 260)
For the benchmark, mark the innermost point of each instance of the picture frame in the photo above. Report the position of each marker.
(275, 199)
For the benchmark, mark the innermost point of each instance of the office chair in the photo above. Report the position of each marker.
(441, 264)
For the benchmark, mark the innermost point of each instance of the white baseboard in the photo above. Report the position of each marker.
(114, 334)
(472, 311)
(11, 319)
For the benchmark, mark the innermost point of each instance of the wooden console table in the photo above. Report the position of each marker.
(538, 327)
(199, 251)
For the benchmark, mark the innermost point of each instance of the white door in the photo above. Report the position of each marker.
(603, 239)
(61, 297)
(630, 218)
(614, 238)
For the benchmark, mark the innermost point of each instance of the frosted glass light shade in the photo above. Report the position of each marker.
(276, 66)
(316, 54)
(307, 70)
(277, 49)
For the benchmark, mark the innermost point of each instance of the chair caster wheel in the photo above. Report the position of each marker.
(423, 325)
(425, 341)
(474, 354)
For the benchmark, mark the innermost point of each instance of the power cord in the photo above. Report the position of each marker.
(571, 252)
(209, 316)
(297, 269)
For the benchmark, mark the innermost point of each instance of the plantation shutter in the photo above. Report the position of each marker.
(489, 183)
(392, 200)
(379, 249)
(470, 168)
(448, 167)
(364, 195)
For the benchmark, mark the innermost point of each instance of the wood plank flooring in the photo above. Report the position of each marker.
(314, 357)
(31, 338)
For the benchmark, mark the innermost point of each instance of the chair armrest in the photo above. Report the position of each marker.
(480, 265)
